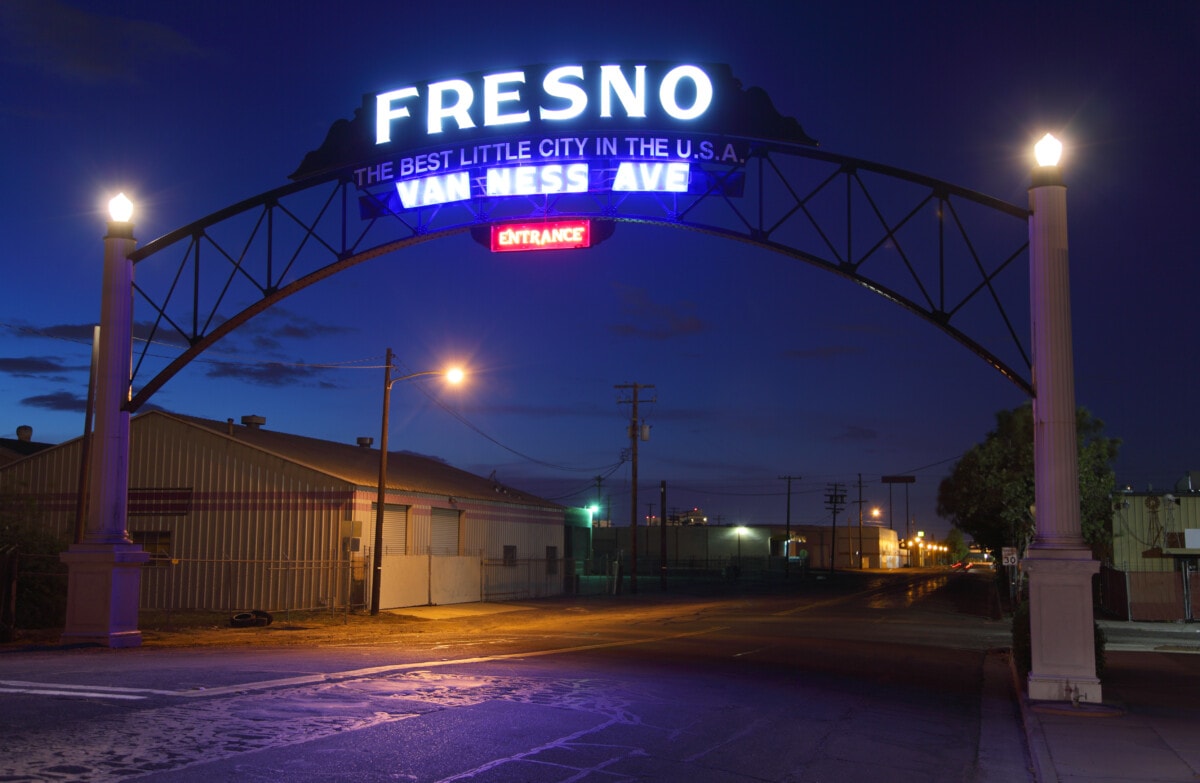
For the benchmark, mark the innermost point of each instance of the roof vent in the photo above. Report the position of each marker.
(365, 441)
(25, 433)
(253, 422)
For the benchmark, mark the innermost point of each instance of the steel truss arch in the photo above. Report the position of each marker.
(947, 254)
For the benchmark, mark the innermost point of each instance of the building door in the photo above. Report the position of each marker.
(443, 531)
(395, 530)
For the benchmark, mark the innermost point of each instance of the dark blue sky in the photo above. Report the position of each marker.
(762, 366)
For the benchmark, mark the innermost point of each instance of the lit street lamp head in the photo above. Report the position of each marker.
(120, 211)
(120, 208)
(455, 375)
(1048, 151)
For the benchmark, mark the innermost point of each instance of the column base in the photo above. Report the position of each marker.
(1051, 688)
(1062, 629)
(103, 586)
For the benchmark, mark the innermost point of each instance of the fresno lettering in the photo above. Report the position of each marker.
(568, 92)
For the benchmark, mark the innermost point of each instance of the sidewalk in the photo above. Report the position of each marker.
(1147, 729)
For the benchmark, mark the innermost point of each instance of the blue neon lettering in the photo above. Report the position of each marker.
(427, 191)
(448, 104)
(656, 177)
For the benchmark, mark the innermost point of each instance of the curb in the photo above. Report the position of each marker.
(1041, 761)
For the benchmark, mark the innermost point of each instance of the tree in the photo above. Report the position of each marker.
(957, 545)
(989, 493)
(33, 551)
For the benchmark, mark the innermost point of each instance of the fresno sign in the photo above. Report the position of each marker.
(564, 94)
(601, 113)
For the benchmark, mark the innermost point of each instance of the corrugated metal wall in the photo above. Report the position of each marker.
(239, 528)
(1144, 523)
(261, 533)
(488, 529)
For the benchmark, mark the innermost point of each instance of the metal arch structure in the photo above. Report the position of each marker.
(954, 257)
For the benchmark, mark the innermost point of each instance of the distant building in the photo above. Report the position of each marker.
(12, 450)
(716, 546)
(239, 517)
(1156, 553)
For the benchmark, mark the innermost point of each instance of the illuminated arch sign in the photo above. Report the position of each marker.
(551, 129)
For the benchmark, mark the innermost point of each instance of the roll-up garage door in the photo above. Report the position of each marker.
(443, 534)
(395, 530)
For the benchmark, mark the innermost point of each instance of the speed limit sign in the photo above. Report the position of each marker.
(1008, 556)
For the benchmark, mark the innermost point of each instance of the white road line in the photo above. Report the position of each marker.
(109, 692)
(397, 667)
(82, 694)
(68, 687)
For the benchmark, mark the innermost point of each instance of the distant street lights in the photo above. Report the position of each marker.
(453, 375)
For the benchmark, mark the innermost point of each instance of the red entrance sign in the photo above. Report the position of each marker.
(551, 235)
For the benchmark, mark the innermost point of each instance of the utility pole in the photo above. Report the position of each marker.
(599, 495)
(634, 433)
(662, 504)
(835, 498)
(787, 546)
(905, 480)
(860, 535)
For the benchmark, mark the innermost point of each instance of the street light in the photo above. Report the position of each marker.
(104, 565)
(453, 375)
(1059, 563)
(1048, 151)
(120, 208)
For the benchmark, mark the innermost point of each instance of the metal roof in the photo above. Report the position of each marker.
(359, 465)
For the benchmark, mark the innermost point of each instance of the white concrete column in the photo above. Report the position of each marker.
(104, 576)
(1059, 563)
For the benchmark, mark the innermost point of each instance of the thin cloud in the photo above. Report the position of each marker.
(272, 374)
(57, 401)
(654, 320)
(35, 366)
(823, 352)
(82, 46)
(270, 331)
(855, 432)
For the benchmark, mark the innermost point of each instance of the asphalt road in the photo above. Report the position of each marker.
(888, 677)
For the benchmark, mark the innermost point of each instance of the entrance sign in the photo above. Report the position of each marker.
(611, 142)
(548, 130)
(551, 235)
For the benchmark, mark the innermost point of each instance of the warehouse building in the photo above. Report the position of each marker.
(238, 517)
(1155, 569)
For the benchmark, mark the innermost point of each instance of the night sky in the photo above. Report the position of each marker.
(762, 366)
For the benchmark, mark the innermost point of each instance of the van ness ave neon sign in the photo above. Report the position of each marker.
(537, 114)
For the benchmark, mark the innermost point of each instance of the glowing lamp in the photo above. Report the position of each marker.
(1048, 151)
(120, 208)
(455, 375)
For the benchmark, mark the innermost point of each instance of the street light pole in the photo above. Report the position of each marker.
(104, 567)
(454, 376)
(1059, 563)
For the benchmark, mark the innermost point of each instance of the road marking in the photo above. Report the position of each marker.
(398, 667)
(750, 652)
(110, 692)
(107, 691)
(17, 686)
(82, 694)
